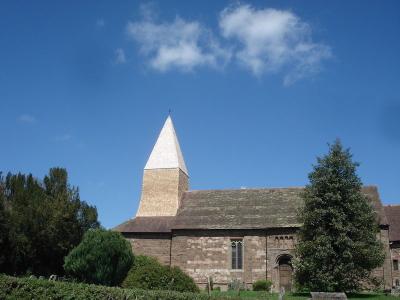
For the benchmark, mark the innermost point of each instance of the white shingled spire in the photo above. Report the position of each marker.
(167, 153)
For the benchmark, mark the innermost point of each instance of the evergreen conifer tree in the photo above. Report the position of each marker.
(338, 246)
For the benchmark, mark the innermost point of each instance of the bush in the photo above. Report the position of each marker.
(147, 273)
(262, 285)
(12, 288)
(103, 257)
(236, 284)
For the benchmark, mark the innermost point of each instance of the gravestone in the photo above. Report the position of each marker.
(281, 293)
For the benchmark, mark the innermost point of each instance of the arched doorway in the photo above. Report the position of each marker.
(285, 272)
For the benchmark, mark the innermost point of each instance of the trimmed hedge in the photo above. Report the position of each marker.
(26, 288)
(103, 257)
(149, 274)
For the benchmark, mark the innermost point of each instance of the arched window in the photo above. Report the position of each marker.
(237, 254)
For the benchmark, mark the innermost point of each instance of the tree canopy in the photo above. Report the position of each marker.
(338, 246)
(103, 257)
(40, 222)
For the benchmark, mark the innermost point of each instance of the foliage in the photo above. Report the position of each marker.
(261, 295)
(12, 288)
(337, 246)
(4, 229)
(236, 285)
(24, 288)
(262, 285)
(147, 273)
(103, 257)
(40, 222)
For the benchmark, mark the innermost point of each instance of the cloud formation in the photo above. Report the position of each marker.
(26, 118)
(120, 57)
(263, 41)
(179, 44)
(271, 40)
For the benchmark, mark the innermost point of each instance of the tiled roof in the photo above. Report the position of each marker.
(393, 216)
(250, 208)
(146, 225)
(237, 209)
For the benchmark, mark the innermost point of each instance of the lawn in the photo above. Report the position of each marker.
(252, 295)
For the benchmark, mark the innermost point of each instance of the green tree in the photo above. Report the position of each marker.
(44, 220)
(338, 246)
(103, 257)
(70, 217)
(4, 229)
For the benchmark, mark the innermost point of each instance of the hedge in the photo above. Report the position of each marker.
(26, 288)
(103, 257)
(149, 274)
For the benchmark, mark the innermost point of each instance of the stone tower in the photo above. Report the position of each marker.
(165, 176)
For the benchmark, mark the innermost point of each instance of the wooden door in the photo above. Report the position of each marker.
(285, 276)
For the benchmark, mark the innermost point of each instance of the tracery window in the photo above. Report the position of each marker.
(395, 265)
(237, 254)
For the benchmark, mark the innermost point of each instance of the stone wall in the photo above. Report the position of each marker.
(203, 254)
(384, 273)
(157, 245)
(280, 243)
(387, 265)
(395, 255)
(162, 190)
(207, 253)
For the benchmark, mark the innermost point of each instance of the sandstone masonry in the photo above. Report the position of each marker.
(227, 235)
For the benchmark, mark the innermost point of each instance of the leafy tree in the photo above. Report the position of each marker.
(147, 273)
(43, 222)
(338, 244)
(103, 257)
(4, 228)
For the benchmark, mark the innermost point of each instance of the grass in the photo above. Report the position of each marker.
(253, 295)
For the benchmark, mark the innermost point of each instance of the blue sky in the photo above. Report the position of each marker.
(257, 90)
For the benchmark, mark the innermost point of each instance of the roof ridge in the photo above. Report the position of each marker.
(252, 188)
(264, 188)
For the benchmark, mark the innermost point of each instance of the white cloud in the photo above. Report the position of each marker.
(272, 40)
(120, 57)
(264, 41)
(179, 44)
(26, 118)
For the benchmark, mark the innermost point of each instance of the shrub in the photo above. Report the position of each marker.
(182, 282)
(12, 288)
(148, 273)
(103, 257)
(262, 285)
(235, 285)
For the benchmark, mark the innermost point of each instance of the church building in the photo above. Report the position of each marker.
(232, 234)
